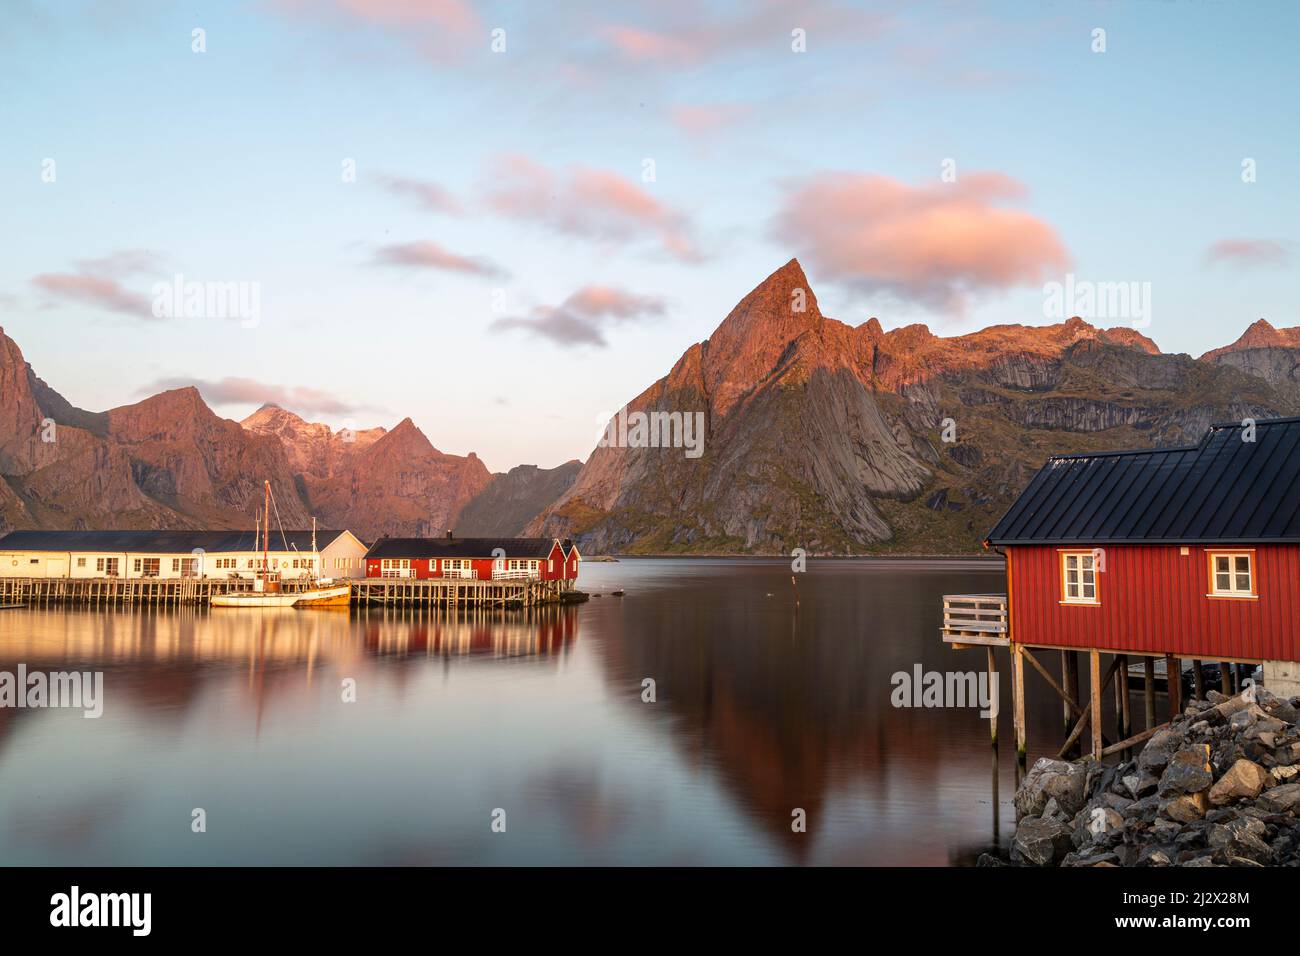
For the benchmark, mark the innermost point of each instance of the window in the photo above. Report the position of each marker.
(1232, 574)
(81, 562)
(1079, 577)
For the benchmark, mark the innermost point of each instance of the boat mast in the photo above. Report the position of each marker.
(266, 531)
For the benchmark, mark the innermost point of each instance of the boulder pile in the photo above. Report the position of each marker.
(1220, 786)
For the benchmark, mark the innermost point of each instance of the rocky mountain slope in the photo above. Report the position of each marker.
(832, 438)
(171, 462)
(816, 434)
(510, 501)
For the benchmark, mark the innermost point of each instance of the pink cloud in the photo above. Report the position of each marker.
(429, 255)
(1247, 253)
(708, 119)
(429, 195)
(684, 34)
(455, 16)
(97, 291)
(590, 203)
(580, 319)
(247, 391)
(933, 245)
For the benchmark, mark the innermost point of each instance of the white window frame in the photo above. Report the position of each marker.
(1085, 568)
(1233, 590)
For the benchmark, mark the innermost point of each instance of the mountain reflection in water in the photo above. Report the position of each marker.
(760, 708)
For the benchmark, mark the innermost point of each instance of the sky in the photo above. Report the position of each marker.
(506, 219)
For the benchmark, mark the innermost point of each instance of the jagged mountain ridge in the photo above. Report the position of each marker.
(170, 462)
(818, 435)
(829, 437)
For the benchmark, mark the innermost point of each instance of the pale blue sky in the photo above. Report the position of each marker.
(225, 166)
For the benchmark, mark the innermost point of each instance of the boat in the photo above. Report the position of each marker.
(335, 596)
(267, 588)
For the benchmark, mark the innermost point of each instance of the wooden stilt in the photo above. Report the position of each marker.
(1094, 680)
(1126, 716)
(1225, 677)
(1018, 699)
(1122, 730)
(1174, 684)
(1070, 681)
(993, 683)
(1198, 681)
(1149, 690)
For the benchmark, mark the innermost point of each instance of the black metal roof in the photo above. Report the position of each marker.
(159, 542)
(460, 547)
(1225, 490)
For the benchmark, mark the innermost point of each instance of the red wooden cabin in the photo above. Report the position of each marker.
(479, 558)
(1191, 552)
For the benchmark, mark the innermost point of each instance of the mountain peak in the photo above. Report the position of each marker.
(1260, 334)
(755, 334)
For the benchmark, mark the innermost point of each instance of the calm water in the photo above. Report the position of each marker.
(759, 710)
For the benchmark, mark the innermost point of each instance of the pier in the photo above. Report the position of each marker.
(389, 592)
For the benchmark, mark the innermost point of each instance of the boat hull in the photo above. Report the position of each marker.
(335, 597)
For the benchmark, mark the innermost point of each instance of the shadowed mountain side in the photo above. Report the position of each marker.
(510, 501)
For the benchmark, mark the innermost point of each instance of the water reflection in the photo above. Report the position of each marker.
(760, 709)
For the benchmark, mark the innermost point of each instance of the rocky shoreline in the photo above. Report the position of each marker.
(1220, 786)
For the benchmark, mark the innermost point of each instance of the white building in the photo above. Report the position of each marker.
(178, 554)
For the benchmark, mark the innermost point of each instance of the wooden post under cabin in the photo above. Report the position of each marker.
(1198, 682)
(1018, 699)
(1174, 684)
(1122, 718)
(1225, 678)
(1070, 681)
(1094, 690)
(993, 683)
(1149, 690)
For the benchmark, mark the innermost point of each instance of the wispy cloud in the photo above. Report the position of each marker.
(589, 203)
(708, 119)
(1248, 253)
(425, 254)
(929, 245)
(247, 391)
(683, 34)
(427, 195)
(582, 317)
(98, 282)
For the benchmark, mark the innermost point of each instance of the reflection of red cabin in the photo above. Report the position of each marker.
(483, 559)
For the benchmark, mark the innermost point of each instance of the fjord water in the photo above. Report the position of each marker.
(760, 708)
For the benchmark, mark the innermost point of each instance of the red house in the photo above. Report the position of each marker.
(1187, 552)
(544, 559)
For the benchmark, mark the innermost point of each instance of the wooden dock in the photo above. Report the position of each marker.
(390, 592)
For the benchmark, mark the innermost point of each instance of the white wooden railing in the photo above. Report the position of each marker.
(979, 618)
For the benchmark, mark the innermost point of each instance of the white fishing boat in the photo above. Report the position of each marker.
(268, 590)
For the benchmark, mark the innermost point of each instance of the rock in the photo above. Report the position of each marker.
(1241, 838)
(1188, 771)
(1051, 779)
(1281, 799)
(1153, 856)
(1200, 861)
(1244, 780)
(1155, 755)
(1285, 772)
(1105, 824)
(1186, 808)
(1039, 842)
(1140, 784)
